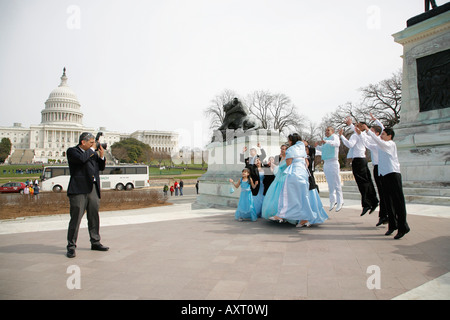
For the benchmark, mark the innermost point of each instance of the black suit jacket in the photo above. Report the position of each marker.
(84, 168)
(254, 174)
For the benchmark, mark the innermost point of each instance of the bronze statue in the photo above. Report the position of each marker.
(236, 117)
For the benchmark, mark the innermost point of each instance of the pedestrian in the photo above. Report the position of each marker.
(391, 180)
(246, 208)
(331, 168)
(36, 191)
(196, 186)
(357, 152)
(165, 189)
(84, 190)
(171, 190)
(181, 184)
(373, 147)
(270, 204)
(177, 187)
(297, 202)
(258, 199)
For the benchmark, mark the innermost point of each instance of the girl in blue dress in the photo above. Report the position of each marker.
(246, 208)
(296, 201)
(270, 204)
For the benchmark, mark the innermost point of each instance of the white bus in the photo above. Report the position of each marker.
(122, 177)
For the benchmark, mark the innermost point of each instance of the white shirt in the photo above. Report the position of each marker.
(371, 145)
(356, 145)
(387, 155)
(334, 142)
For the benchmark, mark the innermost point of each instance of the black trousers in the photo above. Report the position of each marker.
(364, 181)
(382, 213)
(79, 203)
(395, 201)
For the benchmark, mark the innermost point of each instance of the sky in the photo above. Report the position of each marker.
(157, 64)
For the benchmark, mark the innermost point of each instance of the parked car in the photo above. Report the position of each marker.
(12, 187)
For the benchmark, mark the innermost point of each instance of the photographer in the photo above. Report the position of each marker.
(84, 190)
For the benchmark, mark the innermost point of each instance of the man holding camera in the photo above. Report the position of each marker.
(84, 190)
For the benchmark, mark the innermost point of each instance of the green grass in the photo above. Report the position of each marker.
(154, 173)
(10, 174)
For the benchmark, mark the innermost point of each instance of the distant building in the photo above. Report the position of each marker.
(60, 127)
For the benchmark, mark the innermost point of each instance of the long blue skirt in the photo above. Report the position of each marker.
(296, 201)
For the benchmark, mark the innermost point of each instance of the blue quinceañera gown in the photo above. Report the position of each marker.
(296, 201)
(245, 209)
(258, 200)
(270, 205)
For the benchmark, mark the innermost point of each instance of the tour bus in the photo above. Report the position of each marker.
(119, 177)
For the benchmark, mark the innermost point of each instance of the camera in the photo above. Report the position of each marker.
(97, 142)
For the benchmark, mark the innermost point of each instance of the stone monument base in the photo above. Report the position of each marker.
(224, 163)
(423, 134)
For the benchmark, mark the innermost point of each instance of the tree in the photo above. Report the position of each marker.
(5, 149)
(259, 104)
(285, 115)
(275, 111)
(130, 150)
(384, 99)
(312, 132)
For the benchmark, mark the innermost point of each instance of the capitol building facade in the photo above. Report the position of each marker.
(60, 127)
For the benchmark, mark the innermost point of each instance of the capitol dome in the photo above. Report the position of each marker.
(62, 106)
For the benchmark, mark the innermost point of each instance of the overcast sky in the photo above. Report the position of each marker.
(157, 64)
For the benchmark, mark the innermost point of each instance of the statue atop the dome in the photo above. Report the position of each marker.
(63, 78)
(237, 117)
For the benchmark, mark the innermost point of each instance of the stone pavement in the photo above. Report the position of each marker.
(176, 253)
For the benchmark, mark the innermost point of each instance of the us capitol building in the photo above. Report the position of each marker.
(60, 127)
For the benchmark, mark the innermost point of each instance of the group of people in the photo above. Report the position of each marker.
(284, 189)
(32, 188)
(386, 172)
(177, 187)
(281, 190)
(379, 140)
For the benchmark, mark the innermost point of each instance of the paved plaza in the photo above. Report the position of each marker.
(175, 253)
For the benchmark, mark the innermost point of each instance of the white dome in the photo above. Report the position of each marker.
(63, 92)
(62, 106)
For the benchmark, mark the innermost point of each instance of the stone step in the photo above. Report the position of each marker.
(408, 189)
(415, 192)
(419, 199)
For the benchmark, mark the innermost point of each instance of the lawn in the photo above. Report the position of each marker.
(19, 172)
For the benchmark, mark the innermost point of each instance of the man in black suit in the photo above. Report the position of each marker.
(84, 190)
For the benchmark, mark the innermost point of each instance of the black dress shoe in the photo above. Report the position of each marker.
(389, 232)
(381, 221)
(99, 247)
(365, 211)
(71, 253)
(373, 208)
(400, 234)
